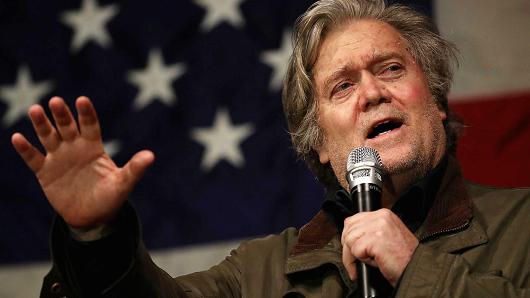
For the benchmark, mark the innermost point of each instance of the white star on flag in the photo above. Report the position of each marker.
(222, 141)
(22, 95)
(89, 23)
(278, 60)
(218, 11)
(154, 82)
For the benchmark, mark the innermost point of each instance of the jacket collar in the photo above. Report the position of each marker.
(450, 211)
(452, 206)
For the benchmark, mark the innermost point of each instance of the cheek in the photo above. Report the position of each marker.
(336, 120)
(413, 88)
(415, 94)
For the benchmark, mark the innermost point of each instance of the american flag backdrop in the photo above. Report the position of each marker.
(199, 83)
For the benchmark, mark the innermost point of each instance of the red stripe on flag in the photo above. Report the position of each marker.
(495, 145)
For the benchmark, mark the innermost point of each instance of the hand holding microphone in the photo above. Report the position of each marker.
(374, 237)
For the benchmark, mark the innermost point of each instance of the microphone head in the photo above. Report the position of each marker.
(363, 154)
(364, 166)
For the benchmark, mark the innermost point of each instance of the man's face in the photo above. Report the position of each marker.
(372, 93)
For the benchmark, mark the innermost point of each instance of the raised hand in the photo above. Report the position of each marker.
(80, 180)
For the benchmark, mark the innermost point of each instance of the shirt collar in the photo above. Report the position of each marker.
(415, 203)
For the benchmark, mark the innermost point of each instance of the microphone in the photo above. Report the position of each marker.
(364, 172)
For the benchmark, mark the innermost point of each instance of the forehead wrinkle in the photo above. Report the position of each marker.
(365, 61)
(375, 54)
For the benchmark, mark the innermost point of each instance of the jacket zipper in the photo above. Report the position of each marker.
(446, 231)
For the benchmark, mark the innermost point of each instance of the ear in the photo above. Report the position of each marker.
(443, 115)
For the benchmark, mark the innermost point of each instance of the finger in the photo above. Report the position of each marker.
(88, 119)
(64, 120)
(33, 158)
(349, 262)
(365, 251)
(352, 234)
(349, 223)
(135, 168)
(357, 218)
(364, 221)
(45, 131)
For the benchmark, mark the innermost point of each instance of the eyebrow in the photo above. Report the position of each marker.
(340, 72)
(376, 58)
(349, 67)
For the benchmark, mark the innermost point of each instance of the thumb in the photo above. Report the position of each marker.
(135, 168)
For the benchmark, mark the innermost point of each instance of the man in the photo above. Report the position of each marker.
(361, 74)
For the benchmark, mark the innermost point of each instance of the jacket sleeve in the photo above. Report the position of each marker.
(432, 273)
(119, 266)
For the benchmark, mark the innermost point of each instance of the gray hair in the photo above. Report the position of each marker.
(436, 56)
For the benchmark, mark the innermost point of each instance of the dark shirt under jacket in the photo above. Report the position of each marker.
(412, 207)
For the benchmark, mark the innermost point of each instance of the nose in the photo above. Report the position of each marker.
(371, 91)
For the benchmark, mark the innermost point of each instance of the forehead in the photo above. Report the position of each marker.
(358, 43)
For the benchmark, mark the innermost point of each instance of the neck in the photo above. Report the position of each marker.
(396, 185)
(391, 192)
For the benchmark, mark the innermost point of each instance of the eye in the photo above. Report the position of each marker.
(394, 67)
(391, 71)
(341, 89)
(343, 86)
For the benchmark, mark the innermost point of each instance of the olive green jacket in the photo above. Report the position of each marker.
(475, 242)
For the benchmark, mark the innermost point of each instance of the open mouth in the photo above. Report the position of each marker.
(383, 128)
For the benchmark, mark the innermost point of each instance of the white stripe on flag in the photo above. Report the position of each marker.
(493, 39)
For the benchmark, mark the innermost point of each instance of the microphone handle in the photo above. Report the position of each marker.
(368, 198)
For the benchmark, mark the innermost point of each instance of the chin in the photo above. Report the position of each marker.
(398, 160)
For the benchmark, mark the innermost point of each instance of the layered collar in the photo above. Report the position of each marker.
(318, 244)
(450, 210)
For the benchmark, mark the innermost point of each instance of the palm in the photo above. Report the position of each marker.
(81, 182)
(79, 179)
